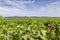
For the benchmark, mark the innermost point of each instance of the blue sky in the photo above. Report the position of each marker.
(49, 8)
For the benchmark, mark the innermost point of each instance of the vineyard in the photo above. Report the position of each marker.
(30, 29)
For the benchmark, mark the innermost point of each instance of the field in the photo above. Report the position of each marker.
(29, 28)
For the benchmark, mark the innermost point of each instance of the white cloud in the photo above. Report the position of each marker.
(52, 9)
(18, 8)
(14, 12)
